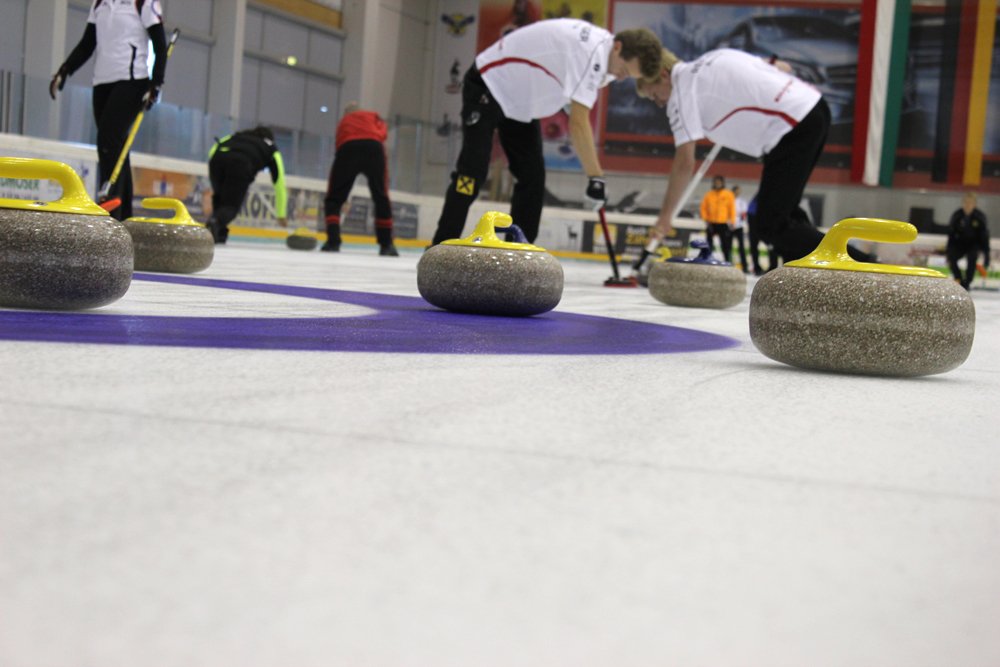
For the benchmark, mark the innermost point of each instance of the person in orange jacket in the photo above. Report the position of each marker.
(718, 210)
(360, 146)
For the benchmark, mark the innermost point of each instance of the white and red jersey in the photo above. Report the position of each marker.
(535, 71)
(736, 99)
(741, 213)
(122, 40)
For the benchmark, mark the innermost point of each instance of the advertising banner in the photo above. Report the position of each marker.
(820, 41)
(16, 188)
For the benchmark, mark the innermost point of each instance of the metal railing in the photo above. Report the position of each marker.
(7, 102)
(169, 130)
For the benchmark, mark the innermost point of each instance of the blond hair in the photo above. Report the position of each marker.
(668, 59)
(665, 66)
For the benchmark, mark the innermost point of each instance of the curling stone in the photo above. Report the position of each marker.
(701, 282)
(172, 245)
(301, 239)
(829, 312)
(483, 275)
(67, 254)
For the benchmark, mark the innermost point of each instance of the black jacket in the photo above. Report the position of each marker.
(968, 231)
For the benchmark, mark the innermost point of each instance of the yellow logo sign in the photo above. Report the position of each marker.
(465, 185)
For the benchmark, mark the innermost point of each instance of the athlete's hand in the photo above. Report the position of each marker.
(283, 222)
(150, 97)
(663, 227)
(57, 83)
(596, 195)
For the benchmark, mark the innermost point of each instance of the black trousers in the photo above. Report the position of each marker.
(755, 242)
(786, 171)
(115, 107)
(971, 255)
(739, 237)
(231, 175)
(363, 156)
(725, 235)
(522, 142)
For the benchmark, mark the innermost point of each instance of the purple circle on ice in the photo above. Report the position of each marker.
(400, 324)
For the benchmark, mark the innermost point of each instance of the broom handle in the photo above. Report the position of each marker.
(607, 242)
(653, 244)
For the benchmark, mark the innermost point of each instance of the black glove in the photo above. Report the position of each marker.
(596, 195)
(150, 97)
(58, 81)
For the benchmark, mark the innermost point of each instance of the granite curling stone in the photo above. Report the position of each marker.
(170, 245)
(483, 275)
(67, 254)
(701, 282)
(302, 239)
(828, 312)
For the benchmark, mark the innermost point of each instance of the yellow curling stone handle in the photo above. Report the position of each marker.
(74, 197)
(180, 216)
(304, 231)
(832, 250)
(485, 236)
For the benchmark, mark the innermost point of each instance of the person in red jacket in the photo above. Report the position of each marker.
(360, 150)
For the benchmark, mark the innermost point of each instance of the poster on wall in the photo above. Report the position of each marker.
(922, 90)
(359, 218)
(455, 36)
(558, 233)
(557, 147)
(258, 210)
(821, 45)
(819, 41)
(499, 17)
(592, 11)
(194, 191)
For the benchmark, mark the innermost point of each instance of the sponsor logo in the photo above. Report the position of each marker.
(465, 185)
(473, 118)
(457, 23)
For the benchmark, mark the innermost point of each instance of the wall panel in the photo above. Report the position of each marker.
(322, 94)
(12, 16)
(281, 98)
(187, 75)
(194, 15)
(249, 88)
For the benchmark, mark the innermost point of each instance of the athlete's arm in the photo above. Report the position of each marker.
(277, 169)
(582, 136)
(83, 50)
(680, 175)
(159, 39)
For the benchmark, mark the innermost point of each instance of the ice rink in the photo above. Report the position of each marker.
(290, 459)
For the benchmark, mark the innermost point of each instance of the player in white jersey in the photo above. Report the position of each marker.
(119, 31)
(756, 107)
(531, 73)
